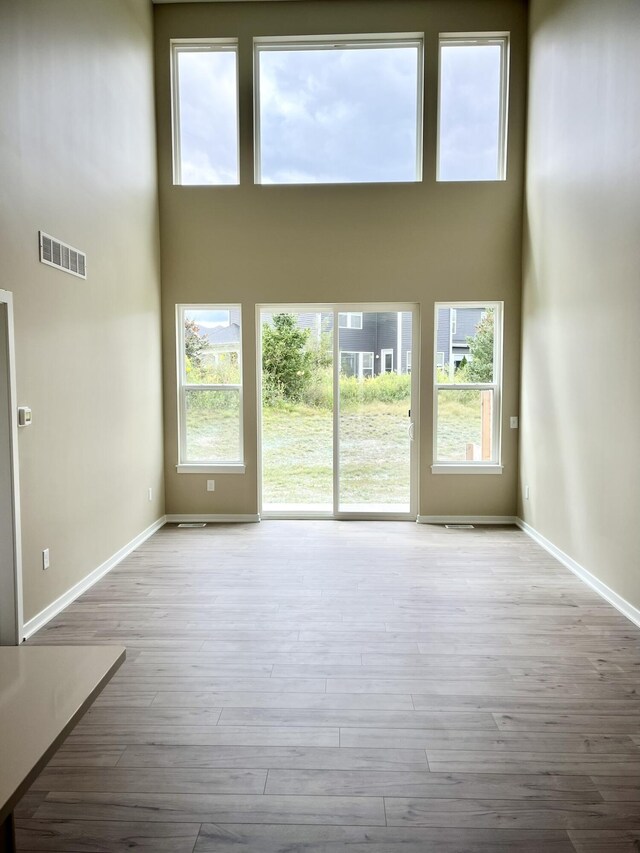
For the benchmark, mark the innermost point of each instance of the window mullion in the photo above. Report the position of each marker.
(466, 386)
(202, 387)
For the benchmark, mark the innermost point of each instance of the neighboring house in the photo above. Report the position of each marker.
(369, 342)
(375, 342)
(455, 326)
(224, 340)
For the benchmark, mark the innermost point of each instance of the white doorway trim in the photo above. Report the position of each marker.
(11, 612)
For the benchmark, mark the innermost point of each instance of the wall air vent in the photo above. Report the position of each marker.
(57, 254)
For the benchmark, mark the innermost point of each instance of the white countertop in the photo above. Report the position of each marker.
(44, 690)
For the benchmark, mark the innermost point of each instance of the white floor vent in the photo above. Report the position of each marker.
(193, 524)
(57, 254)
(459, 526)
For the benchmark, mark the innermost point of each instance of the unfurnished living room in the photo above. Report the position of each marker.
(319, 426)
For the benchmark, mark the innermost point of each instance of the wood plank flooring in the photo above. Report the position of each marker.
(347, 686)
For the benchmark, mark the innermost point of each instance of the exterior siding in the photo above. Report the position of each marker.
(379, 331)
(387, 337)
(443, 333)
(407, 339)
(360, 340)
(467, 320)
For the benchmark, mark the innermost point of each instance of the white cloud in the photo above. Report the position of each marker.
(334, 116)
(208, 319)
(469, 112)
(338, 115)
(208, 117)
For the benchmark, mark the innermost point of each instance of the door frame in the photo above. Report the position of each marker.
(383, 354)
(413, 421)
(11, 586)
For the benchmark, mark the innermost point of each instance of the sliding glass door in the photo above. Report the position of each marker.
(374, 412)
(297, 410)
(337, 410)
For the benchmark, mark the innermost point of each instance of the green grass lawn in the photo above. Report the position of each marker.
(374, 448)
(298, 455)
(212, 433)
(460, 423)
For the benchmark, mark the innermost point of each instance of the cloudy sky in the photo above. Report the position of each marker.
(208, 319)
(334, 116)
(469, 112)
(208, 117)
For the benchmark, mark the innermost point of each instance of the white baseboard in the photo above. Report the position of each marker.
(626, 608)
(466, 519)
(34, 624)
(213, 518)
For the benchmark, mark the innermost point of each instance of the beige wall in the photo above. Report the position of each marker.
(414, 243)
(77, 159)
(581, 327)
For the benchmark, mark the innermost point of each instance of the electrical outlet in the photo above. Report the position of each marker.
(150, 493)
(211, 485)
(45, 559)
(513, 422)
(526, 493)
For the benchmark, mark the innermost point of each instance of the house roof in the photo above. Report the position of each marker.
(224, 334)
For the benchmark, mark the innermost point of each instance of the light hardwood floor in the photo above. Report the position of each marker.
(347, 686)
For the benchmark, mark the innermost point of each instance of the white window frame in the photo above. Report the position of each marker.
(502, 39)
(353, 320)
(184, 466)
(338, 42)
(198, 46)
(408, 361)
(439, 361)
(492, 466)
(383, 354)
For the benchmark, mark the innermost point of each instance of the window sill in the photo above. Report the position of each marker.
(465, 468)
(221, 468)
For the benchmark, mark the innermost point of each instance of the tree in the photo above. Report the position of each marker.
(480, 366)
(194, 343)
(321, 350)
(286, 361)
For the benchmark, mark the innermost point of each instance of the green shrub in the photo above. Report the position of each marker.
(226, 371)
(318, 393)
(286, 360)
(212, 401)
(480, 365)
